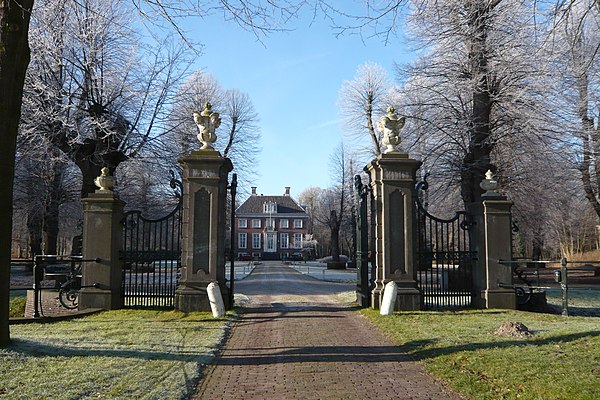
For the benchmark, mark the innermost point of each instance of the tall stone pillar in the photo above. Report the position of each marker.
(204, 212)
(102, 239)
(392, 179)
(491, 239)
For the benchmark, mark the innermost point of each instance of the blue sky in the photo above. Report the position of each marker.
(293, 79)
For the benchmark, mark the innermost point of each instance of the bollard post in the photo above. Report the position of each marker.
(565, 288)
(388, 303)
(36, 287)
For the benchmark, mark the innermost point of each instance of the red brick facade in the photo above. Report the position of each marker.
(270, 227)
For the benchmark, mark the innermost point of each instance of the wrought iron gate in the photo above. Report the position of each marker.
(444, 259)
(152, 256)
(363, 284)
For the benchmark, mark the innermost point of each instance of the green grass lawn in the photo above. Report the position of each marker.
(116, 354)
(561, 360)
(17, 306)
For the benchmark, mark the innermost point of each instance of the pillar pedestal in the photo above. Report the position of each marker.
(392, 179)
(491, 239)
(102, 238)
(203, 238)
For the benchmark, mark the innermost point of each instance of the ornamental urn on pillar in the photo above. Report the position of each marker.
(207, 122)
(389, 125)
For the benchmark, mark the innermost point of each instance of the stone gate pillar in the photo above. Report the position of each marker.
(392, 179)
(102, 239)
(491, 238)
(204, 211)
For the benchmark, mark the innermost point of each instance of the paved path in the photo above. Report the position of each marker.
(294, 342)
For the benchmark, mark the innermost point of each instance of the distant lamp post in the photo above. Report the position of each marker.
(389, 125)
(207, 121)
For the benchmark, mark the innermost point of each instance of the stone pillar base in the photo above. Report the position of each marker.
(408, 299)
(193, 299)
(99, 298)
(376, 298)
(500, 298)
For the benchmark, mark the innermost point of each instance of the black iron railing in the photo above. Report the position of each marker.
(444, 260)
(152, 256)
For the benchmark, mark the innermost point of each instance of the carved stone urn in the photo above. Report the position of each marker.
(105, 182)
(489, 184)
(207, 122)
(389, 125)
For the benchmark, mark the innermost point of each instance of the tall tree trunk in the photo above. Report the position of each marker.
(477, 159)
(51, 216)
(14, 58)
(589, 136)
(335, 236)
(34, 227)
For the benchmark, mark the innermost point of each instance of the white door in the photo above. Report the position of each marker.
(270, 243)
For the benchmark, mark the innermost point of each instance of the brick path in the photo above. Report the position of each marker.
(307, 350)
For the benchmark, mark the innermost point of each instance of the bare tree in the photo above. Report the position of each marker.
(238, 136)
(333, 201)
(574, 47)
(93, 90)
(362, 101)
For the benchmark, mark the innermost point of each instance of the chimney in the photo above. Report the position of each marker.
(287, 190)
(253, 190)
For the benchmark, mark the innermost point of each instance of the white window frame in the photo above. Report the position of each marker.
(284, 241)
(242, 223)
(297, 244)
(284, 223)
(256, 243)
(270, 224)
(256, 223)
(270, 207)
(242, 240)
(297, 224)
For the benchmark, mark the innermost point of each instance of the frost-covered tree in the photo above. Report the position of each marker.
(238, 137)
(476, 86)
(362, 101)
(93, 89)
(574, 48)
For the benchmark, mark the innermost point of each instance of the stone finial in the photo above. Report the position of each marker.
(389, 125)
(105, 182)
(207, 121)
(489, 184)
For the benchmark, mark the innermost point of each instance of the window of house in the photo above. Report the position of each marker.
(284, 223)
(270, 207)
(297, 223)
(297, 241)
(242, 223)
(256, 223)
(271, 224)
(284, 241)
(256, 240)
(242, 241)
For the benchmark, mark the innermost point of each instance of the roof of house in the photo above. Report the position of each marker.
(285, 204)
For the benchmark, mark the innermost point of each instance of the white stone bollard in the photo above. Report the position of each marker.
(389, 298)
(216, 300)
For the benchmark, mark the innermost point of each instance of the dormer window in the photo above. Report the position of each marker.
(270, 207)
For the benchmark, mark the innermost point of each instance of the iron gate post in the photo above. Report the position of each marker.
(204, 228)
(392, 179)
(103, 241)
(491, 239)
(362, 245)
